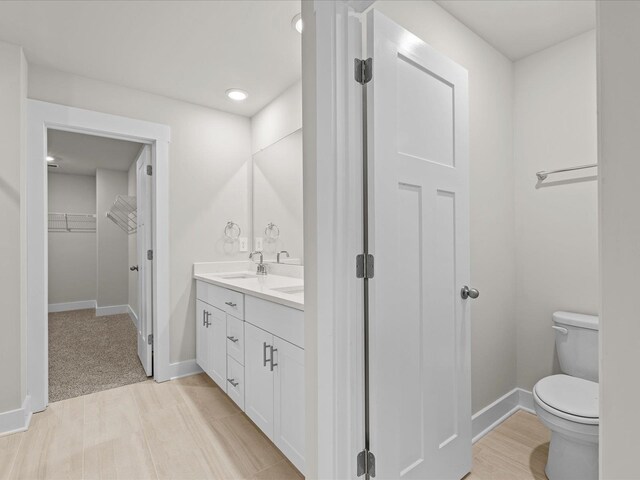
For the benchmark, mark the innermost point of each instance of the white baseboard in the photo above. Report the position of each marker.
(132, 314)
(183, 369)
(497, 412)
(68, 306)
(17, 420)
(111, 310)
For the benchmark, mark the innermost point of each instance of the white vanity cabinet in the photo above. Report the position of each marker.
(211, 350)
(258, 393)
(253, 349)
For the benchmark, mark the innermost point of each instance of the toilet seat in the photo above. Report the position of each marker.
(570, 398)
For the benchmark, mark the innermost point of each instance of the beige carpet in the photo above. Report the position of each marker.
(88, 354)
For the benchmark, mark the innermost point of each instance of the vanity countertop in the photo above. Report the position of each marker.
(285, 290)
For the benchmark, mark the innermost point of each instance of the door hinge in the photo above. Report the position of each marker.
(364, 269)
(149, 170)
(363, 70)
(150, 339)
(149, 254)
(366, 463)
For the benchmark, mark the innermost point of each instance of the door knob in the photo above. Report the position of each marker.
(134, 268)
(467, 292)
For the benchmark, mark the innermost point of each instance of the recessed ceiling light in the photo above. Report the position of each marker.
(237, 94)
(50, 158)
(296, 23)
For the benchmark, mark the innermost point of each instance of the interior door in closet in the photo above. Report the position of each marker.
(145, 265)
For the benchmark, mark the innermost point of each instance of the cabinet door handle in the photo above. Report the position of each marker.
(233, 339)
(208, 322)
(272, 363)
(233, 382)
(204, 322)
(231, 304)
(264, 354)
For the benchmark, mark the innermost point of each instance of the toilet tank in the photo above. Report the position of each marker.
(577, 344)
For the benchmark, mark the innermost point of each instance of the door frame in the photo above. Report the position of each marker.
(40, 117)
(332, 158)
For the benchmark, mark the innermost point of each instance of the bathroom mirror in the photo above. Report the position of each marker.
(277, 200)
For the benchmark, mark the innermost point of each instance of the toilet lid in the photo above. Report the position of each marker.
(571, 395)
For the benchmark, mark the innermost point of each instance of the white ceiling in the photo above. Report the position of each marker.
(189, 50)
(518, 28)
(81, 154)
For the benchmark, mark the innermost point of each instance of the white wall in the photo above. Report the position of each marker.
(13, 77)
(132, 246)
(493, 326)
(72, 255)
(556, 222)
(112, 245)
(208, 160)
(619, 180)
(279, 118)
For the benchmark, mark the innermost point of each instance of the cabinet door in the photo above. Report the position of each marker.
(258, 378)
(218, 347)
(288, 384)
(202, 336)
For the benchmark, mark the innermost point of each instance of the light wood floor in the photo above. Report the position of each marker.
(516, 450)
(189, 428)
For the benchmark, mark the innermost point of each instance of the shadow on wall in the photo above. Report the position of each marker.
(546, 184)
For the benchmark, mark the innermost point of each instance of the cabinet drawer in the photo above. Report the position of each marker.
(235, 381)
(222, 298)
(281, 321)
(235, 339)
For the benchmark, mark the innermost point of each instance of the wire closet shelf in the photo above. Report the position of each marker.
(123, 213)
(72, 222)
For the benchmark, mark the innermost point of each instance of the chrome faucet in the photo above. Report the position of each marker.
(261, 268)
(278, 255)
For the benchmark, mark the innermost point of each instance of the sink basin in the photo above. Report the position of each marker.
(232, 276)
(290, 290)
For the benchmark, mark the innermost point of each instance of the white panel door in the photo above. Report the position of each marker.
(288, 422)
(202, 335)
(145, 266)
(258, 378)
(218, 346)
(419, 234)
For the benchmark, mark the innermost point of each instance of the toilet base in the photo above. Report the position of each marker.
(570, 458)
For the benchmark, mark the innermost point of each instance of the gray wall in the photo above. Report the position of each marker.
(113, 250)
(493, 326)
(619, 176)
(132, 246)
(72, 255)
(13, 78)
(556, 224)
(208, 168)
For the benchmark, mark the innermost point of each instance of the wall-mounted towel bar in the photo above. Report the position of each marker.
(544, 173)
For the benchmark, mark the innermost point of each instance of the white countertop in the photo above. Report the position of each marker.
(269, 287)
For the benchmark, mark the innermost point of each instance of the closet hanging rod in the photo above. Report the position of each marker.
(544, 173)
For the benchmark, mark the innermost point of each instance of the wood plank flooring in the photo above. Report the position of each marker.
(516, 450)
(189, 428)
(184, 429)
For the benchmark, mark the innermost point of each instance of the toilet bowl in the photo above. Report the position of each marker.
(567, 403)
(568, 406)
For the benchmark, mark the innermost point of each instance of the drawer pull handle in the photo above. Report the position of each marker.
(233, 382)
(271, 360)
(231, 304)
(264, 354)
(233, 339)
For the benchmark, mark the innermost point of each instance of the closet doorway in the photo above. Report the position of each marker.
(96, 274)
(96, 184)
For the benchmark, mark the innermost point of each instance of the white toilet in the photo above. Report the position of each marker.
(568, 403)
